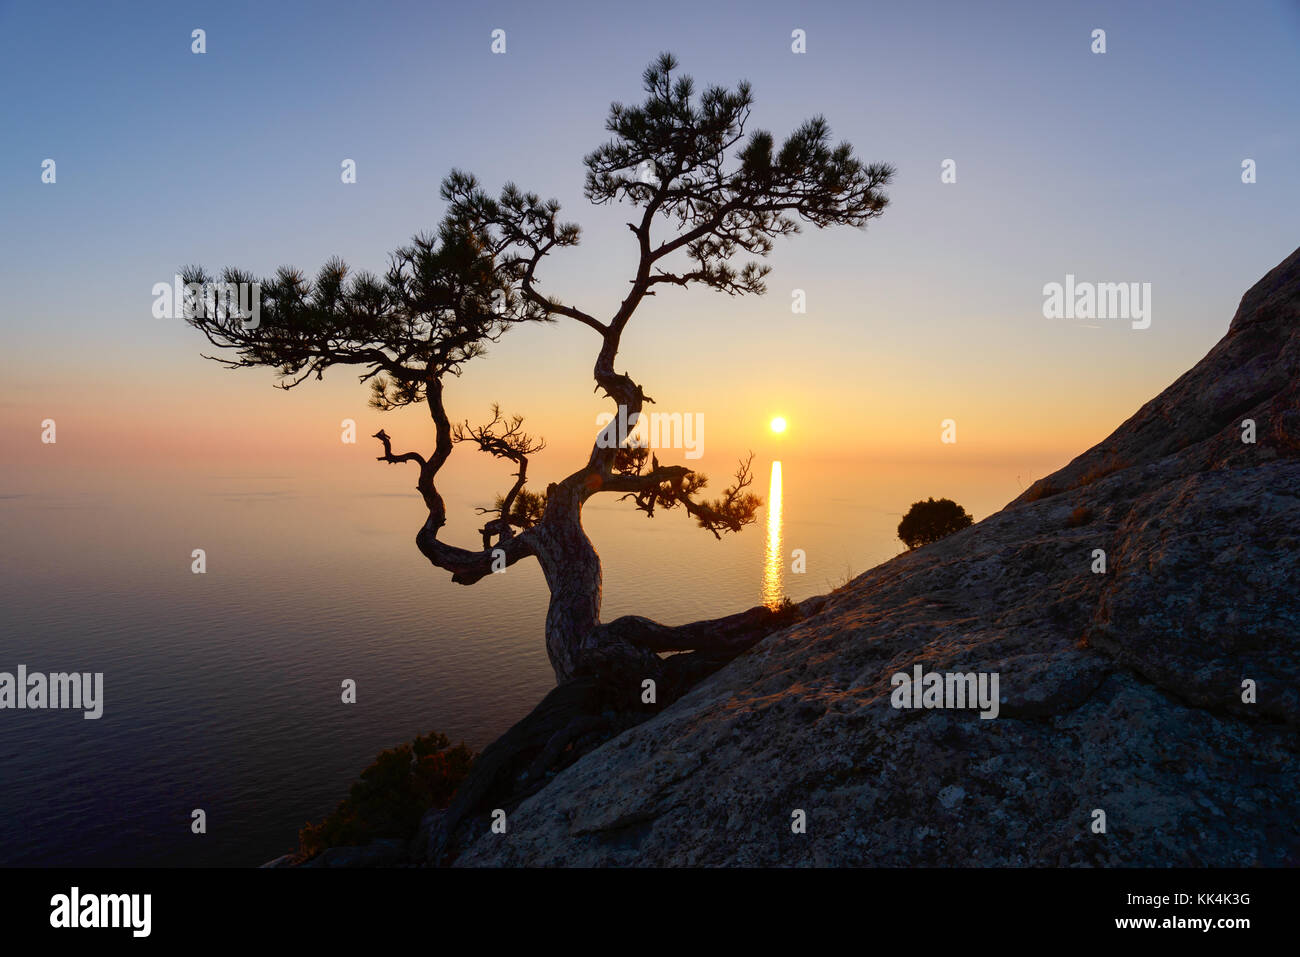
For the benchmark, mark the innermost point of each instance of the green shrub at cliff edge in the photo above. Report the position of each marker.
(393, 794)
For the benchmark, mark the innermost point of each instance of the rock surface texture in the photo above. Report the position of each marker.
(1121, 691)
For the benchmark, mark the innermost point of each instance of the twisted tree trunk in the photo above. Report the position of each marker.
(573, 575)
(575, 641)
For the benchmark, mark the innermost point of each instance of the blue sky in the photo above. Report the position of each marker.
(1116, 167)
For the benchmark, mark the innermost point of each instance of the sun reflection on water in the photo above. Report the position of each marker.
(773, 561)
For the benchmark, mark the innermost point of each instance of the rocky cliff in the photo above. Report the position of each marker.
(1126, 691)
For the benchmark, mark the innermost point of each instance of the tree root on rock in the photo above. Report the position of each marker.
(604, 699)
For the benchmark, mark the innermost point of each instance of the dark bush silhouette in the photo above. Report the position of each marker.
(931, 520)
(393, 794)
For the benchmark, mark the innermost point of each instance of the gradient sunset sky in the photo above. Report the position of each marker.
(1122, 167)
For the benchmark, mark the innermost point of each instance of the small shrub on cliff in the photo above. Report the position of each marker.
(1103, 468)
(393, 794)
(931, 520)
(1040, 490)
(787, 611)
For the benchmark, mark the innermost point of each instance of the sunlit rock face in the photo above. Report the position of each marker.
(1163, 691)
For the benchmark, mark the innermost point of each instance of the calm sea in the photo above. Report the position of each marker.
(222, 690)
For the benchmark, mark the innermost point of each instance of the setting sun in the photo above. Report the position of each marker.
(778, 424)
